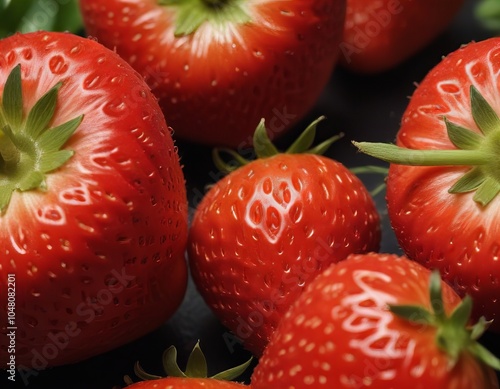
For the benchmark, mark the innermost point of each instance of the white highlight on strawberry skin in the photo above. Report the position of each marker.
(374, 319)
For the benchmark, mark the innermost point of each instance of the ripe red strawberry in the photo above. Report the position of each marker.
(219, 66)
(265, 230)
(369, 322)
(93, 221)
(379, 35)
(445, 214)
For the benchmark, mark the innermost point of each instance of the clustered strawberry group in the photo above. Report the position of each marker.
(284, 249)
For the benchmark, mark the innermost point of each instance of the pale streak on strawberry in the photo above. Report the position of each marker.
(458, 101)
(78, 194)
(51, 214)
(17, 239)
(488, 89)
(271, 202)
(380, 319)
(207, 34)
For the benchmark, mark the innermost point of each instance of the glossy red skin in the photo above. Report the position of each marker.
(264, 231)
(187, 383)
(98, 258)
(340, 334)
(214, 90)
(449, 232)
(380, 35)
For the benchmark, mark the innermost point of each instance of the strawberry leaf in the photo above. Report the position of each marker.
(42, 112)
(462, 137)
(32, 180)
(480, 328)
(12, 14)
(10, 146)
(453, 335)
(170, 363)
(28, 148)
(68, 17)
(53, 139)
(196, 364)
(51, 161)
(488, 13)
(324, 146)
(413, 313)
(6, 190)
(196, 367)
(191, 14)
(263, 146)
(436, 296)
(143, 375)
(461, 314)
(188, 20)
(25, 16)
(484, 115)
(484, 355)
(234, 372)
(306, 139)
(236, 161)
(469, 182)
(12, 98)
(487, 191)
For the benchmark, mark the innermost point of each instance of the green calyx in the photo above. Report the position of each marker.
(191, 14)
(196, 367)
(264, 148)
(453, 336)
(29, 148)
(488, 13)
(480, 151)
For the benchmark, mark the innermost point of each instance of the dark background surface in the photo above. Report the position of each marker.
(365, 108)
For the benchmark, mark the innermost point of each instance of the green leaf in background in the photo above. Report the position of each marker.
(488, 13)
(33, 15)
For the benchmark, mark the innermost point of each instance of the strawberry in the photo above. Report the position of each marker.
(93, 222)
(265, 230)
(444, 214)
(219, 66)
(379, 35)
(369, 321)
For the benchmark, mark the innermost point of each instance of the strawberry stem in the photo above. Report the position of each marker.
(478, 150)
(399, 155)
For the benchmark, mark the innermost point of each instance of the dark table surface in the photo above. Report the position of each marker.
(365, 108)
